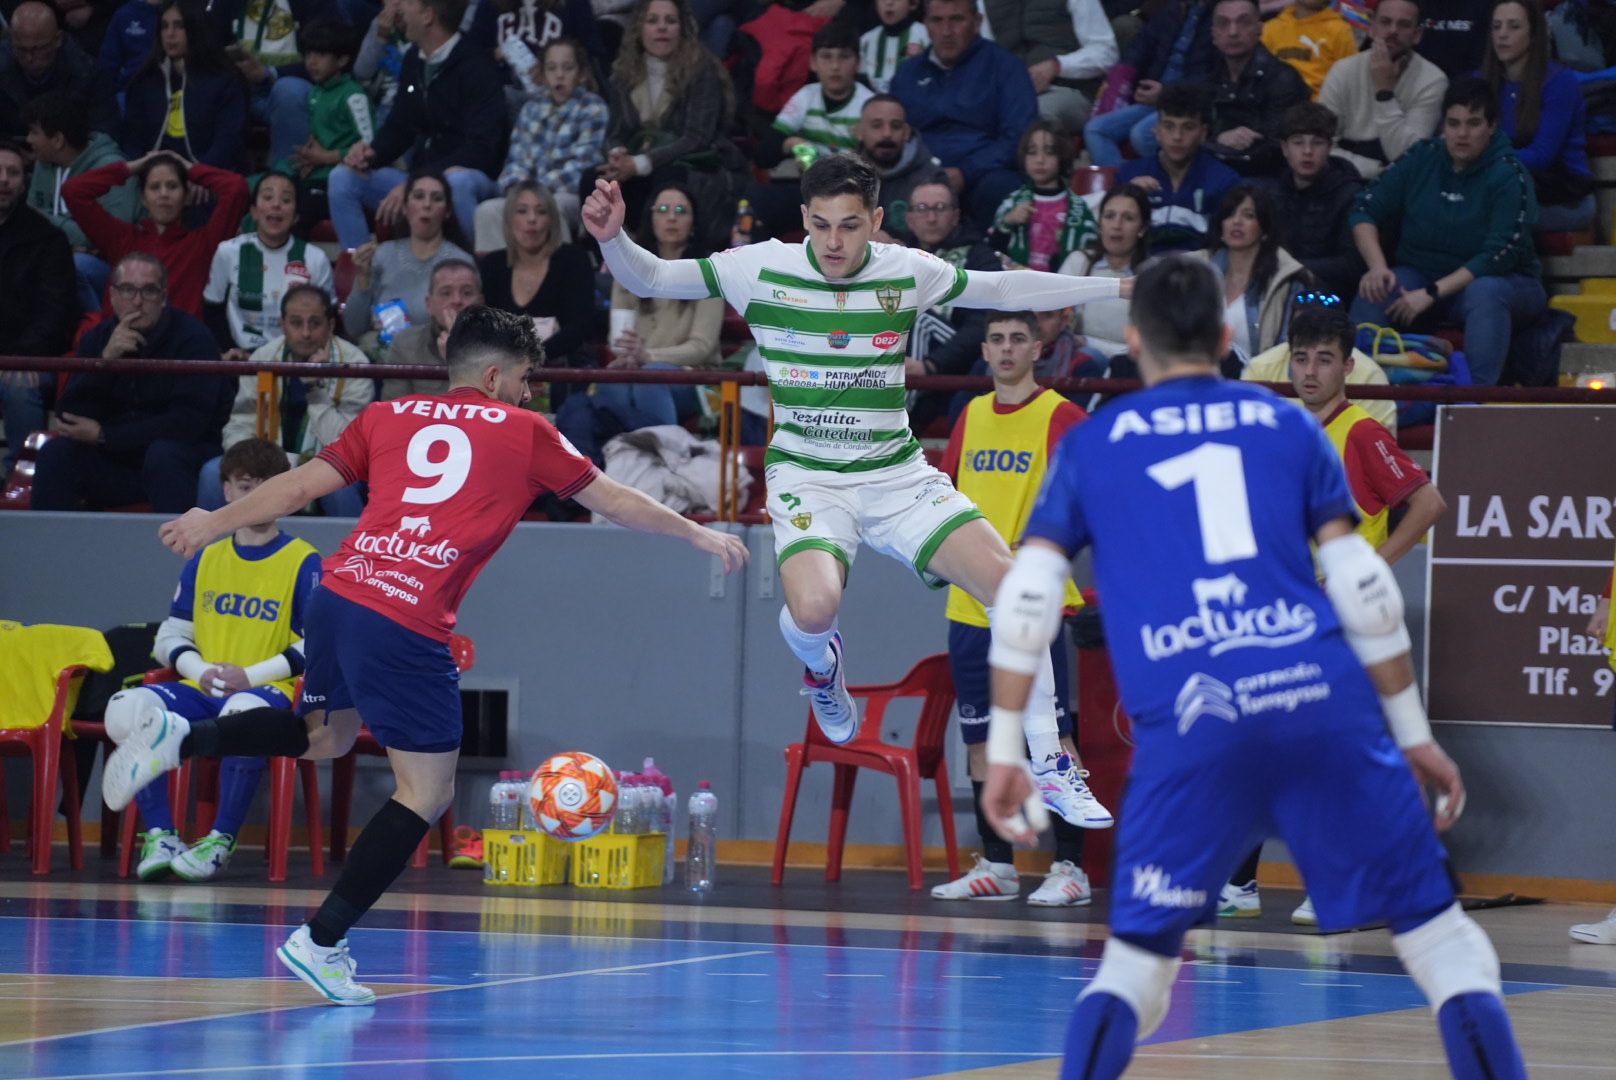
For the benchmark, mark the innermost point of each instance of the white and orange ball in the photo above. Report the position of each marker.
(573, 796)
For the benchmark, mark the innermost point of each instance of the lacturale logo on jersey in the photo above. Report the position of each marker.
(410, 542)
(246, 607)
(1222, 622)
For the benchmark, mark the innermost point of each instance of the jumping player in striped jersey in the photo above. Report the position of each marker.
(1263, 704)
(831, 316)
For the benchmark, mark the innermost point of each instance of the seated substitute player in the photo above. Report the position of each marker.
(235, 635)
(1262, 702)
(450, 475)
(830, 316)
(997, 457)
(1380, 477)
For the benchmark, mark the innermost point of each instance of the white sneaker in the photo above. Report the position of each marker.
(1066, 886)
(157, 854)
(1240, 901)
(834, 708)
(1066, 791)
(151, 750)
(984, 881)
(330, 971)
(206, 857)
(1303, 915)
(1602, 932)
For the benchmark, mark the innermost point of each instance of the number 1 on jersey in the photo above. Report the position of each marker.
(450, 473)
(1218, 474)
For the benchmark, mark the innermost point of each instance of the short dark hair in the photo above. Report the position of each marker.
(837, 35)
(59, 112)
(449, 13)
(253, 459)
(141, 257)
(8, 146)
(883, 99)
(1177, 307)
(1418, 5)
(1257, 7)
(1308, 118)
(842, 174)
(936, 178)
(1472, 92)
(453, 264)
(484, 335)
(304, 288)
(1030, 319)
(329, 35)
(1183, 99)
(1316, 324)
(258, 186)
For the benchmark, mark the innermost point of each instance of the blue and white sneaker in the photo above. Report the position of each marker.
(330, 971)
(206, 857)
(1240, 901)
(834, 708)
(1066, 791)
(151, 749)
(158, 851)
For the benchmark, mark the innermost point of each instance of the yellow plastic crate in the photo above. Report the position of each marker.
(612, 861)
(513, 857)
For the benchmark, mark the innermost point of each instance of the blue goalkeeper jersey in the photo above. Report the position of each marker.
(1199, 497)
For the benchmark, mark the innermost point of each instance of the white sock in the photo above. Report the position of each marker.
(812, 649)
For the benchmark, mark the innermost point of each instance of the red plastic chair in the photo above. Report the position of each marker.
(1093, 179)
(44, 743)
(929, 680)
(343, 770)
(206, 774)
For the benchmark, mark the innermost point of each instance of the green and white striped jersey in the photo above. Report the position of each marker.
(807, 116)
(834, 350)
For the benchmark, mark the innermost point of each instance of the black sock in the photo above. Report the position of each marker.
(1068, 841)
(1246, 872)
(375, 860)
(994, 847)
(262, 732)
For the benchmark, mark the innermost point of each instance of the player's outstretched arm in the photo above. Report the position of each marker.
(634, 268)
(274, 498)
(1026, 618)
(633, 509)
(1370, 605)
(1035, 290)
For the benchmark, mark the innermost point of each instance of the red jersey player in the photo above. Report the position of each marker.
(450, 475)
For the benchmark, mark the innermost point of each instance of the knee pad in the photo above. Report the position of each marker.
(1026, 613)
(1141, 978)
(1449, 955)
(128, 708)
(243, 700)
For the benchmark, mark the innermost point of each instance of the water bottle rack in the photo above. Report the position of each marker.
(609, 861)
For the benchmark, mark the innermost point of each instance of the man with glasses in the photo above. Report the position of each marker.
(124, 438)
(946, 340)
(36, 262)
(42, 59)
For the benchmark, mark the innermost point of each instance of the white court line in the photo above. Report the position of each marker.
(1455, 561)
(637, 1056)
(1188, 961)
(1148, 1052)
(391, 997)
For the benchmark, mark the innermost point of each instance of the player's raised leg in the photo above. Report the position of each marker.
(816, 536)
(975, 558)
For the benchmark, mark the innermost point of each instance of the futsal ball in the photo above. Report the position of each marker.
(573, 796)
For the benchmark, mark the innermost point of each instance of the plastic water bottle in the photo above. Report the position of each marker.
(701, 854)
(666, 802)
(506, 801)
(524, 804)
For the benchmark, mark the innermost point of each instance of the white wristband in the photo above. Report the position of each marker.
(191, 665)
(1406, 719)
(1007, 740)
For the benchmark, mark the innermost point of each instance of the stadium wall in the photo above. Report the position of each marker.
(628, 645)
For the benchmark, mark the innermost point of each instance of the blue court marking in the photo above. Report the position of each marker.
(571, 1005)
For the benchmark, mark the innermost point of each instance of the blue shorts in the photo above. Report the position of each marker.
(405, 685)
(1326, 778)
(193, 704)
(968, 661)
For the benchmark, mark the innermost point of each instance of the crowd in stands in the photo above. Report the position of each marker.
(335, 180)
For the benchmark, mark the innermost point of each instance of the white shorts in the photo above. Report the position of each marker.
(905, 511)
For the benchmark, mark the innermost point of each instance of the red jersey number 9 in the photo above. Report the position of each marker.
(448, 472)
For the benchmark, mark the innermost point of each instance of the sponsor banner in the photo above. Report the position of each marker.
(1518, 563)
